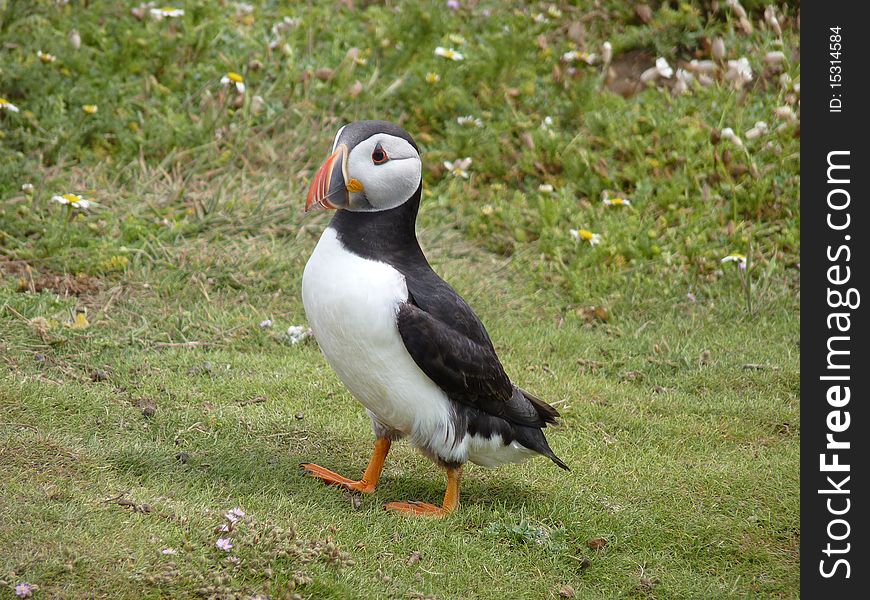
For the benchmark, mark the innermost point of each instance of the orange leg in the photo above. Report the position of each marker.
(370, 478)
(451, 500)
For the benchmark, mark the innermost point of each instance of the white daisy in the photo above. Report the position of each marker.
(459, 167)
(584, 235)
(234, 79)
(73, 200)
(166, 13)
(470, 121)
(6, 105)
(449, 53)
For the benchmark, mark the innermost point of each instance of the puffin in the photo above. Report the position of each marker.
(402, 341)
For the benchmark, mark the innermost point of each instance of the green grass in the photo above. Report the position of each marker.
(679, 397)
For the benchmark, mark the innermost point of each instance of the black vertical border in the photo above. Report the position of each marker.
(823, 131)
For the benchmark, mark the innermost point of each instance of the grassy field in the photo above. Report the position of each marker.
(142, 397)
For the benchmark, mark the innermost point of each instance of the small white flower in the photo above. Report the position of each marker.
(45, 56)
(166, 13)
(588, 57)
(286, 25)
(737, 8)
(740, 259)
(775, 57)
(684, 80)
(616, 201)
(758, 130)
(702, 66)
(705, 80)
(718, 49)
(169, 551)
(266, 324)
(770, 19)
(545, 188)
(606, 53)
(243, 8)
(459, 167)
(662, 69)
(235, 80)
(73, 200)
(585, 235)
(470, 121)
(739, 72)
(785, 112)
(449, 53)
(728, 134)
(27, 188)
(297, 333)
(547, 123)
(6, 105)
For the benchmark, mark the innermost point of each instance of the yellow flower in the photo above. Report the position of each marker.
(45, 56)
(617, 202)
(89, 108)
(6, 105)
(586, 236)
(432, 77)
(79, 320)
(234, 79)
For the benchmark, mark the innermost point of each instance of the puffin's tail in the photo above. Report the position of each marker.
(549, 415)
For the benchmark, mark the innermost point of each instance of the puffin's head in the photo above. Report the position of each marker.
(374, 166)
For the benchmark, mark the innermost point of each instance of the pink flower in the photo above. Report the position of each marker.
(234, 514)
(23, 590)
(224, 544)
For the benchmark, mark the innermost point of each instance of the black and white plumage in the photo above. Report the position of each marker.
(406, 345)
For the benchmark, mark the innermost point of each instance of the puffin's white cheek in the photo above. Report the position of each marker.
(393, 183)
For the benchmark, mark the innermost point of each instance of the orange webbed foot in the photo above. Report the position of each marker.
(416, 509)
(369, 480)
(332, 478)
(451, 500)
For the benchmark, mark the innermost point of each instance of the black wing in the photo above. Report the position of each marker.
(454, 350)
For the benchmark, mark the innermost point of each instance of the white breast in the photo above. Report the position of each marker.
(351, 303)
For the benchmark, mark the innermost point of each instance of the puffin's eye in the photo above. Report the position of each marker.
(379, 156)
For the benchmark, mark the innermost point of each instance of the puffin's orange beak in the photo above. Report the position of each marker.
(328, 189)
